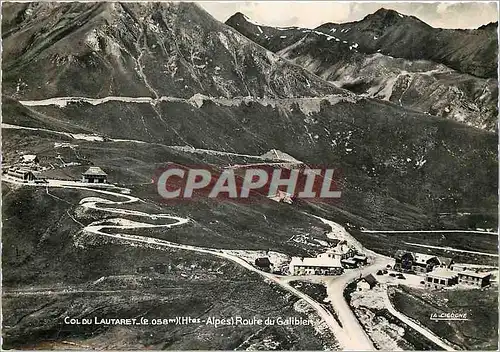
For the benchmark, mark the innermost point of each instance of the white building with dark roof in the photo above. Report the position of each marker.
(323, 264)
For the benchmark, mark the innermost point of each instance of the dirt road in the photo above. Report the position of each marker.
(97, 228)
(427, 333)
(349, 334)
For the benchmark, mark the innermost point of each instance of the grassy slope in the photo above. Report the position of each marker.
(481, 306)
(371, 142)
(47, 252)
(365, 201)
(50, 54)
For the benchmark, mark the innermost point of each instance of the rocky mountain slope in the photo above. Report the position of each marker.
(131, 49)
(267, 103)
(129, 87)
(387, 55)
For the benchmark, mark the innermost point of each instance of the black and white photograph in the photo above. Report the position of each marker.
(249, 175)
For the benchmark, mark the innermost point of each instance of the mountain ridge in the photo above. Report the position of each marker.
(166, 43)
(133, 88)
(426, 36)
(363, 57)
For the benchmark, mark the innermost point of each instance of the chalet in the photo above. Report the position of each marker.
(278, 155)
(94, 175)
(367, 283)
(440, 278)
(354, 261)
(342, 251)
(419, 263)
(349, 263)
(282, 196)
(263, 263)
(473, 278)
(360, 259)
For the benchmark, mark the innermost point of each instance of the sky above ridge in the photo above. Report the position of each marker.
(314, 13)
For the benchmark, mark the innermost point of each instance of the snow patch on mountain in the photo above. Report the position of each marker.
(251, 21)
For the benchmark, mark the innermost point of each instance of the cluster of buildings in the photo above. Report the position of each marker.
(331, 262)
(457, 275)
(27, 169)
(439, 272)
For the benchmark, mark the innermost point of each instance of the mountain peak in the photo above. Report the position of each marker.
(386, 15)
(387, 12)
(241, 18)
(150, 50)
(239, 15)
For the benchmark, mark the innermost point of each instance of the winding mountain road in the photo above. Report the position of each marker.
(424, 331)
(349, 333)
(98, 227)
